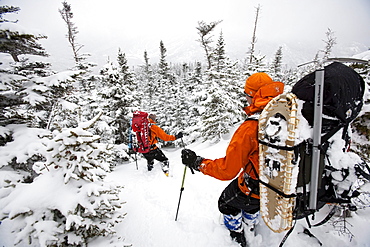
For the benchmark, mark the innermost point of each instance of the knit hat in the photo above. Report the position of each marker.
(152, 117)
(255, 82)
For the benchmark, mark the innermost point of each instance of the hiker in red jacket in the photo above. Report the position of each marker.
(240, 199)
(155, 153)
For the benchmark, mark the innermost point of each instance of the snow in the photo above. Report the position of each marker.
(151, 203)
(15, 27)
(25, 144)
(363, 55)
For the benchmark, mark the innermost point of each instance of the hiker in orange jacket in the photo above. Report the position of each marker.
(155, 153)
(240, 199)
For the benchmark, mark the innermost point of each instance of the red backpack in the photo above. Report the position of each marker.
(140, 125)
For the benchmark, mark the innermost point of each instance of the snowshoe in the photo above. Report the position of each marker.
(277, 128)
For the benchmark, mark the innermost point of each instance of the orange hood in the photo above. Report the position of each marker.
(263, 95)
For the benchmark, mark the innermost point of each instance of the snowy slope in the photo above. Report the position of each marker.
(152, 202)
(152, 199)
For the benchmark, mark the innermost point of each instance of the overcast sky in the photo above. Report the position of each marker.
(139, 25)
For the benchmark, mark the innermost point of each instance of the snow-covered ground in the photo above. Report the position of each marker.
(152, 199)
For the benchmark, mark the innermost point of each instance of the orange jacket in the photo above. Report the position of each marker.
(157, 132)
(243, 147)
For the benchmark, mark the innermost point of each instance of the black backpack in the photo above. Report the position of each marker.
(342, 102)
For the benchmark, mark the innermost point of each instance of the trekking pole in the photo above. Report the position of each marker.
(182, 184)
(181, 190)
(136, 162)
(317, 124)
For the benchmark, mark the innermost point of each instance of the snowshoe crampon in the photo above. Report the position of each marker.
(278, 173)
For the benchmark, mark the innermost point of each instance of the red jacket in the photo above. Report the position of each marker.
(243, 147)
(157, 132)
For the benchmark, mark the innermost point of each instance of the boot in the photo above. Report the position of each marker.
(166, 167)
(239, 237)
(250, 220)
(150, 166)
(234, 225)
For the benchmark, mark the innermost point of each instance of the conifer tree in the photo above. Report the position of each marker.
(146, 77)
(75, 170)
(164, 93)
(329, 43)
(194, 92)
(112, 101)
(164, 69)
(15, 41)
(67, 16)
(223, 90)
(254, 61)
(276, 66)
(132, 97)
(251, 51)
(205, 38)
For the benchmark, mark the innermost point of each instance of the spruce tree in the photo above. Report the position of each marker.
(205, 38)
(254, 62)
(131, 98)
(163, 105)
(148, 88)
(276, 66)
(75, 170)
(223, 90)
(67, 16)
(15, 41)
(194, 92)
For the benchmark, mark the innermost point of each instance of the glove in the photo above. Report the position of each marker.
(179, 135)
(190, 159)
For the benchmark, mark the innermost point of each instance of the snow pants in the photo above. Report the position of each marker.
(232, 201)
(156, 154)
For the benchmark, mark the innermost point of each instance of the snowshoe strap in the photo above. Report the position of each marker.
(276, 190)
(276, 146)
(361, 172)
(328, 135)
(271, 187)
(306, 231)
(287, 234)
(328, 217)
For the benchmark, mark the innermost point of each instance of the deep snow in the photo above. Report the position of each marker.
(152, 199)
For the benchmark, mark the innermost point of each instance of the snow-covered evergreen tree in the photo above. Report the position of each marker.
(130, 99)
(194, 94)
(223, 106)
(205, 38)
(165, 91)
(276, 66)
(147, 88)
(70, 203)
(67, 16)
(254, 62)
(15, 41)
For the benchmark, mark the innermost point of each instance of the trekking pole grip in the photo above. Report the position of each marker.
(183, 145)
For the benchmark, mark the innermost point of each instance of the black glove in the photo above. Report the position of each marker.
(179, 135)
(190, 159)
